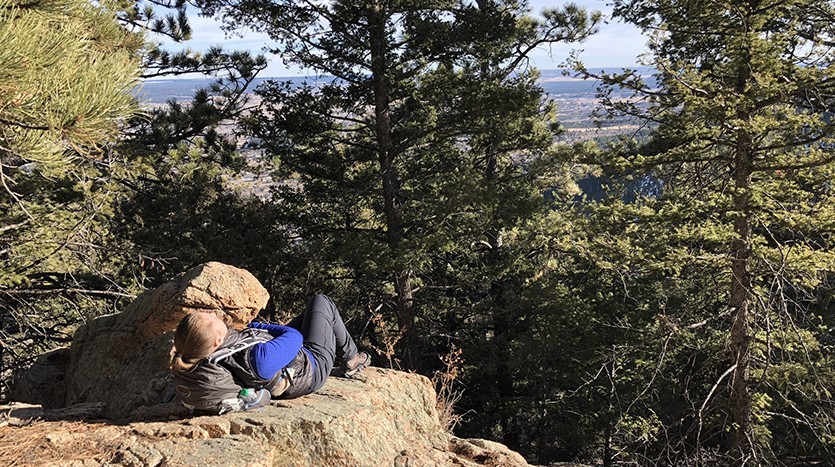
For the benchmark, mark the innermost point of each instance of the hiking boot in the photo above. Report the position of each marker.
(356, 363)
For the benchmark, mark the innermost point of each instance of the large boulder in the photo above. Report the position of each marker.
(383, 417)
(122, 359)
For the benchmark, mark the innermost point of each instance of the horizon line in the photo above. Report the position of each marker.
(186, 76)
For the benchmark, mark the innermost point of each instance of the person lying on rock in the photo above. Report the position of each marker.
(222, 370)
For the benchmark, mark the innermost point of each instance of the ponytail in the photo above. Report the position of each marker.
(179, 365)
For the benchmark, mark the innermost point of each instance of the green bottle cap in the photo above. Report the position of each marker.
(244, 392)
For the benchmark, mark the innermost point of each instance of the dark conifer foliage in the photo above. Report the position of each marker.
(68, 70)
(70, 162)
(741, 148)
(414, 153)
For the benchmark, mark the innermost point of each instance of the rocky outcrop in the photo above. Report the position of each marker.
(383, 417)
(113, 380)
(122, 359)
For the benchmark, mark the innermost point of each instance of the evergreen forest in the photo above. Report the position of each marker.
(682, 315)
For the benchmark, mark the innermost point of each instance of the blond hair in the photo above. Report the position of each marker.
(193, 341)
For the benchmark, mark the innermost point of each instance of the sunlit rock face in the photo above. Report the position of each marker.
(381, 418)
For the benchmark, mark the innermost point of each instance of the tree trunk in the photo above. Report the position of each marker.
(740, 408)
(494, 234)
(740, 401)
(391, 184)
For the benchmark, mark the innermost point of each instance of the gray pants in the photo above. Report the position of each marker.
(324, 336)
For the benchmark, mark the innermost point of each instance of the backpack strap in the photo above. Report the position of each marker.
(242, 344)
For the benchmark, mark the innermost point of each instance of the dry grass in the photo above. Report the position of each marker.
(388, 337)
(447, 393)
(43, 443)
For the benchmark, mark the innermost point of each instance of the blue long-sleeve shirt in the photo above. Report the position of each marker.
(272, 356)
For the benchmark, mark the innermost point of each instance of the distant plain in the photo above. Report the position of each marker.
(576, 100)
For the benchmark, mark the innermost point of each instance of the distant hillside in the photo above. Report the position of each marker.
(553, 82)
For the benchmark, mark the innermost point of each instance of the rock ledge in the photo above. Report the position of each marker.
(384, 417)
(106, 393)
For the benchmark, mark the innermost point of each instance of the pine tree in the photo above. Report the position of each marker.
(68, 71)
(742, 147)
(65, 48)
(75, 149)
(406, 153)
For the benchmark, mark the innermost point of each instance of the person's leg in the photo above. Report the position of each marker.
(325, 334)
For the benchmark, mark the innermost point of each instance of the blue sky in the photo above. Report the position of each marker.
(615, 45)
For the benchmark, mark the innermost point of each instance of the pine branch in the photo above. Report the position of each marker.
(57, 290)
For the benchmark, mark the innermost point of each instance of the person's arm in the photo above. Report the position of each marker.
(268, 358)
(275, 330)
